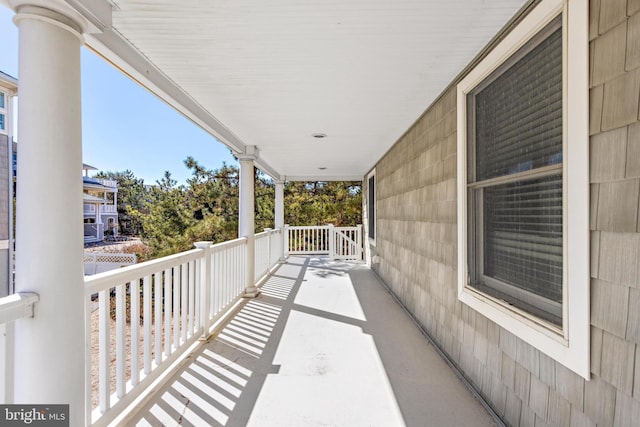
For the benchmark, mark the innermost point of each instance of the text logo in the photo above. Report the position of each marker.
(34, 415)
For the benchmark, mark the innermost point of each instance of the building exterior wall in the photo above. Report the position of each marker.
(4, 187)
(415, 250)
(5, 182)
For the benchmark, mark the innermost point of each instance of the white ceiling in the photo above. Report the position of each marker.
(272, 73)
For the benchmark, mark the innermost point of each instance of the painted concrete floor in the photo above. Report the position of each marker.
(323, 345)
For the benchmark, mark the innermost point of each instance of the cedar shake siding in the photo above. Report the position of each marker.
(415, 251)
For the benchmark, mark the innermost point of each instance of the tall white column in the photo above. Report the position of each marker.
(279, 217)
(246, 226)
(279, 208)
(50, 357)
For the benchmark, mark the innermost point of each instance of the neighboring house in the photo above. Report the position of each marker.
(100, 197)
(8, 89)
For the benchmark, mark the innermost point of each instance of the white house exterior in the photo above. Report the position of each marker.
(100, 206)
(508, 230)
(8, 90)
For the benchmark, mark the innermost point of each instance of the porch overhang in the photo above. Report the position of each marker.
(275, 75)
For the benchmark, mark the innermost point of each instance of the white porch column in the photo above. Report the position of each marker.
(279, 208)
(49, 348)
(279, 216)
(246, 226)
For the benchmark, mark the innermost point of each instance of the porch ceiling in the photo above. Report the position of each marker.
(273, 73)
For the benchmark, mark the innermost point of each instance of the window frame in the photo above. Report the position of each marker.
(371, 208)
(569, 344)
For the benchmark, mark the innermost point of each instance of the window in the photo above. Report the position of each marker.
(522, 244)
(3, 111)
(514, 178)
(371, 207)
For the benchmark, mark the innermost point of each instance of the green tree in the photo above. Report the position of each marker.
(316, 203)
(166, 225)
(212, 196)
(171, 217)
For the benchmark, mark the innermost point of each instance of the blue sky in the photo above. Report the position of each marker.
(123, 125)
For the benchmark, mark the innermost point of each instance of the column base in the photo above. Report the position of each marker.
(251, 292)
(282, 260)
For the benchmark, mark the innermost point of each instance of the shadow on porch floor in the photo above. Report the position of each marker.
(323, 345)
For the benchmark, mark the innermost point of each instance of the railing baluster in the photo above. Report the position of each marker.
(104, 349)
(210, 285)
(184, 300)
(176, 306)
(120, 340)
(134, 295)
(192, 296)
(197, 296)
(168, 304)
(157, 321)
(146, 295)
(217, 286)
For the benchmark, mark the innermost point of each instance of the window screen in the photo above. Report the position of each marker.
(372, 207)
(515, 178)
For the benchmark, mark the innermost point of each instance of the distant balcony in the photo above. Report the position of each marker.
(106, 182)
(90, 209)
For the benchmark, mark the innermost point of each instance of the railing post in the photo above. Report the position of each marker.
(332, 241)
(246, 226)
(269, 231)
(285, 243)
(359, 242)
(205, 287)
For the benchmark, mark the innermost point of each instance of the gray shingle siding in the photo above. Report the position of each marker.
(416, 248)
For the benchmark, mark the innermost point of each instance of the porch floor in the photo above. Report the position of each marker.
(323, 345)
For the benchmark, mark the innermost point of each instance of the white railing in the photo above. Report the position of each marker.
(17, 306)
(90, 208)
(12, 307)
(347, 243)
(99, 262)
(336, 242)
(94, 231)
(162, 307)
(268, 251)
(106, 182)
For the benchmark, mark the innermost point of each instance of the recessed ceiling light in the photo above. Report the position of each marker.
(319, 135)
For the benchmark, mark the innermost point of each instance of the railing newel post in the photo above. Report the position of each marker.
(205, 286)
(359, 242)
(332, 241)
(285, 243)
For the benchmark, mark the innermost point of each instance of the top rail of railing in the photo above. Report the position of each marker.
(17, 306)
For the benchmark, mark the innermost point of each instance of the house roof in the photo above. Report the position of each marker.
(8, 81)
(88, 198)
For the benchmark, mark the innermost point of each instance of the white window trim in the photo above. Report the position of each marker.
(372, 241)
(571, 345)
